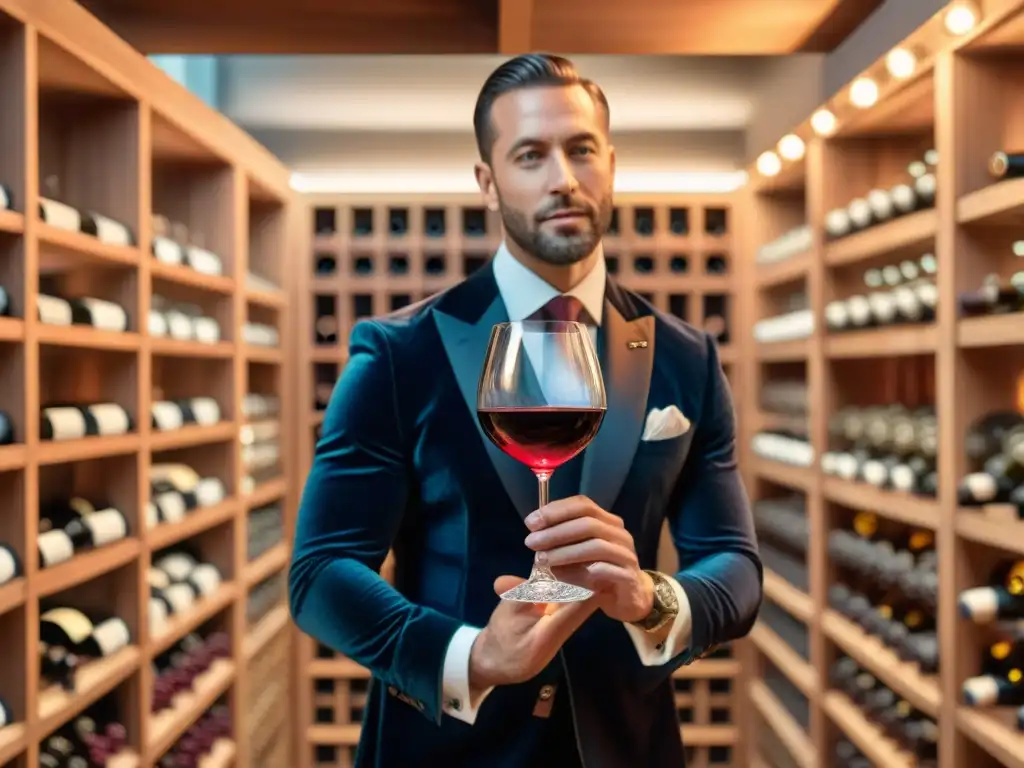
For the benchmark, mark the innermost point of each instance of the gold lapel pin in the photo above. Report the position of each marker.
(636, 345)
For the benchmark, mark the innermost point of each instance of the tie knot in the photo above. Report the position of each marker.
(567, 309)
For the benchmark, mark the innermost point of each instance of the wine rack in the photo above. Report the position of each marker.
(143, 296)
(371, 255)
(885, 277)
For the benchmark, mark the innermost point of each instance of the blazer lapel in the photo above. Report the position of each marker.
(465, 343)
(627, 360)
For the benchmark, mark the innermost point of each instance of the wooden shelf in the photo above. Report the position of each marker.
(867, 736)
(789, 662)
(904, 233)
(796, 740)
(995, 731)
(798, 478)
(782, 351)
(135, 145)
(912, 510)
(884, 342)
(798, 604)
(993, 331)
(1001, 203)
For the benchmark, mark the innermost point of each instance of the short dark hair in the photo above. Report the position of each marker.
(530, 70)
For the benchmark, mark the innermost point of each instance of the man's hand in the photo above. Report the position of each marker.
(587, 546)
(520, 639)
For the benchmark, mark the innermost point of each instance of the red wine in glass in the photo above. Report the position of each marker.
(541, 400)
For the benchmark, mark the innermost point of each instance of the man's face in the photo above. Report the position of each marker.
(551, 172)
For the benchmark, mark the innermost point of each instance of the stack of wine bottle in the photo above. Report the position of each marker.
(175, 671)
(259, 406)
(178, 578)
(796, 321)
(782, 534)
(995, 449)
(261, 453)
(847, 755)
(897, 293)
(786, 246)
(175, 245)
(916, 734)
(199, 740)
(86, 311)
(169, 415)
(264, 597)
(889, 447)
(888, 586)
(70, 637)
(915, 192)
(787, 694)
(266, 529)
(260, 335)
(87, 222)
(72, 422)
(1000, 604)
(89, 740)
(182, 322)
(73, 526)
(784, 446)
(177, 489)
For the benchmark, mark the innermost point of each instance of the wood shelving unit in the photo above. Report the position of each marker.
(349, 275)
(89, 121)
(957, 101)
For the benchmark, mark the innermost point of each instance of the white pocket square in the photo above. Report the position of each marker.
(664, 424)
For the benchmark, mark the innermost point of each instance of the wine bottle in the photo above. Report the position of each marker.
(75, 631)
(6, 198)
(6, 306)
(71, 422)
(6, 429)
(58, 665)
(10, 564)
(983, 605)
(1004, 165)
(97, 529)
(838, 223)
(92, 312)
(992, 691)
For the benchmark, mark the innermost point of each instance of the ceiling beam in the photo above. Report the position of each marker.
(515, 26)
(837, 25)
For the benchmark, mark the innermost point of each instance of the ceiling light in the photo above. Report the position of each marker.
(961, 18)
(823, 122)
(791, 147)
(768, 164)
(863, 92)
(901, 63)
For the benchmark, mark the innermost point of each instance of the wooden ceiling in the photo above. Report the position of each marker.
(695, 27)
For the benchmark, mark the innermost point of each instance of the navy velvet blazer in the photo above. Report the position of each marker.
(403, 462)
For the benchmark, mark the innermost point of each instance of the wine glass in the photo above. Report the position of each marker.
(541, 400)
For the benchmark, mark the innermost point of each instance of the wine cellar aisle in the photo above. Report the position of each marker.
(146, 493)
(884, 427)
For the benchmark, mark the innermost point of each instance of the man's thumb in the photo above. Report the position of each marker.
(504, 583)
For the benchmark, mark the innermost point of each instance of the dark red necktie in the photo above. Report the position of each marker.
(567, 309)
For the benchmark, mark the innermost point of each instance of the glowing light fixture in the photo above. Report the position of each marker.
(768, 164)
(961, 18)
(791, 147)
(901, 63)
(823, 122)
(863, 92)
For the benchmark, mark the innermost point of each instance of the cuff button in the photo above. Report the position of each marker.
(455, 704)
(660, 647)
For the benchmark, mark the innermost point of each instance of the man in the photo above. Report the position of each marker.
(461, 678)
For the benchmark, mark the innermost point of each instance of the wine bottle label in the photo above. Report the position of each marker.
(111, 419)
(111, 636)
(206, 578)
(106, 526)
(72, 622)
(158, 325)
(53, 311)
(204, 261)
(177, 566)
(9, 567)
(167, 251)
(171, 506)
(59, 215)
(180, 597)
(205, 410)
(981, 486)
(65, 423)
(106, 315)
(206, 329)
(55, 547)
(166, 416)
(179, 325)
(157, 616)
(110, 231)
(210, 491)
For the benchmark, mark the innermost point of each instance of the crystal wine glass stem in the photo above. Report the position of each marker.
(540, 571)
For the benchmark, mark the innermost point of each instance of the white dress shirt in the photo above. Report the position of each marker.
(523, 293)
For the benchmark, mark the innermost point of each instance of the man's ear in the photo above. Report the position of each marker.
(485, 180)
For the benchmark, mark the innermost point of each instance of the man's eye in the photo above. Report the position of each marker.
(530, 156)
(583, 151)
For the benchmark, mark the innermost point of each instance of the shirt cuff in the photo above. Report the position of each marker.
(459, 701)
(657, 648)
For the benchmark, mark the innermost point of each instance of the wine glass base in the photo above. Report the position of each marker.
(545, 591)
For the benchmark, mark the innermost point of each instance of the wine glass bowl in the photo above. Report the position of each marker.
(541, 400)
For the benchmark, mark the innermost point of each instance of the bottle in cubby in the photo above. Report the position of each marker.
(88, 635)
(260, 437)
(884, 579)
(785, 314)
(884, 432)
(187, 313)
(782, 530)
(796, 704)
(186, 577)
(85, 506)
(265, 529)
(264, 597)
(82, 116)
(883, 292)
(186, 480)
(103, 735)
(994, 454)
(782, 430)
(12, 527)
(207, 743)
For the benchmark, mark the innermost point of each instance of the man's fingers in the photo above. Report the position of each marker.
(503, 584)
(591, 551)
(577, 529)
(568, 509)
(595, 576)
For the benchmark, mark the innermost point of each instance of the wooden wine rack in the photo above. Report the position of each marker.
(334, 688)
(959, 102)
(79, 103)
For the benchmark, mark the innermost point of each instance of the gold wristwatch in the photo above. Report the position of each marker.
(665, 607)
